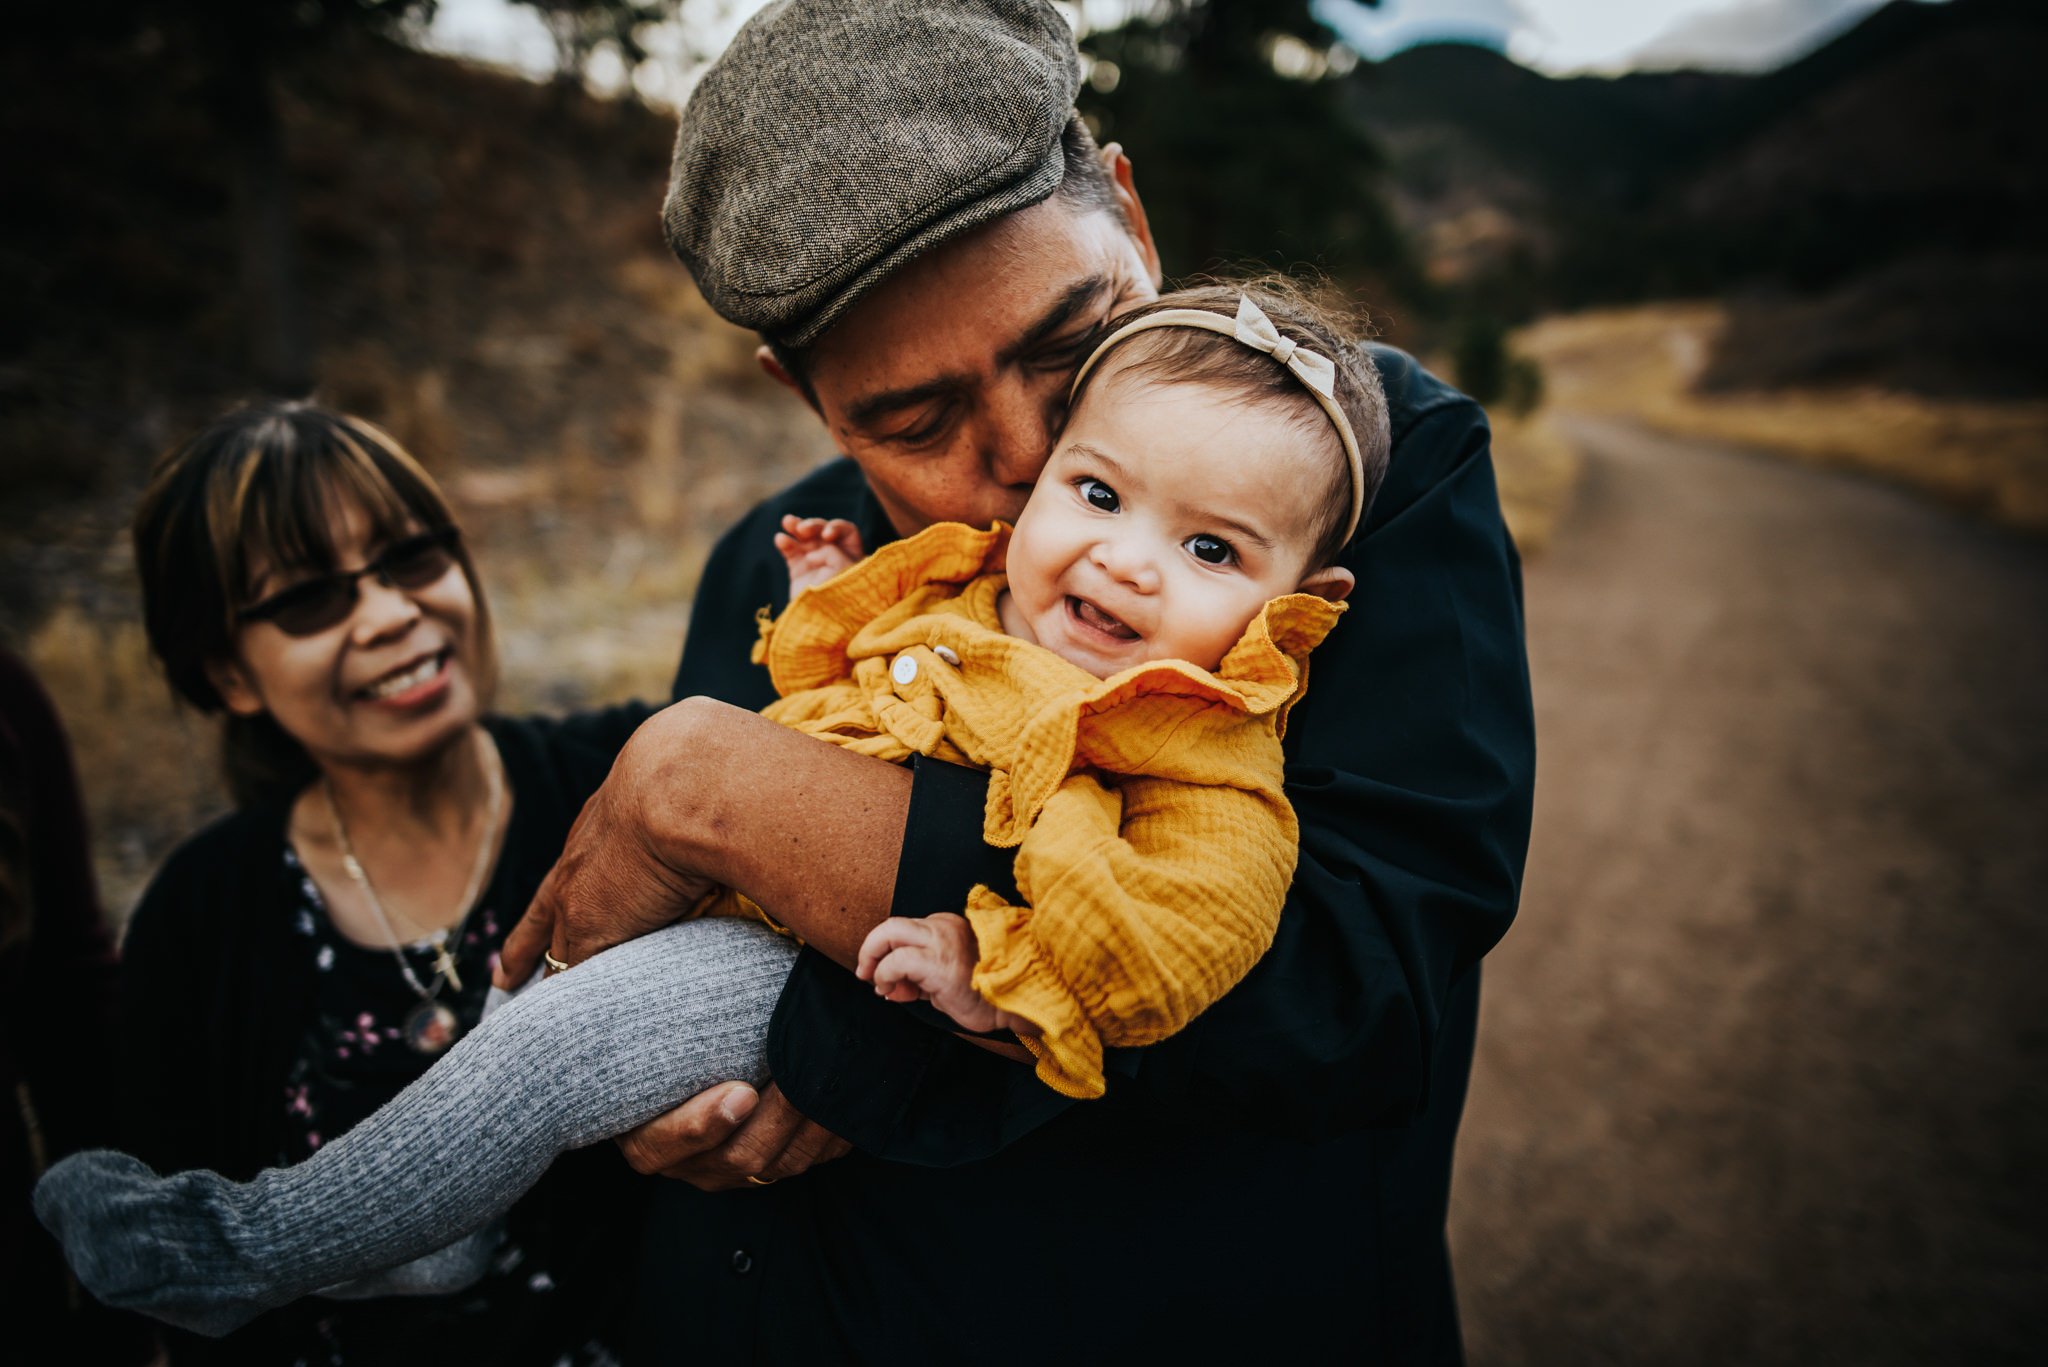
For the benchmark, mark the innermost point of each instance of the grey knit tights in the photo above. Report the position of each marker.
(580, 1057)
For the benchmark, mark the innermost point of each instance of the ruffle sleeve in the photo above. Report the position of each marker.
(808, 645)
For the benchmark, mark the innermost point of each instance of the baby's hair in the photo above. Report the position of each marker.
(1312, 317)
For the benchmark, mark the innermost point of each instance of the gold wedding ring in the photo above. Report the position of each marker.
(759, 1182)
(554, 965)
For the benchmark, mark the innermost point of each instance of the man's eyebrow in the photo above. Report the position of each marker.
(1074, 301)
(863, 411)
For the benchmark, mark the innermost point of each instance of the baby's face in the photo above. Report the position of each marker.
(1167, 517)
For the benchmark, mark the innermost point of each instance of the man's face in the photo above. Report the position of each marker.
(947, 383)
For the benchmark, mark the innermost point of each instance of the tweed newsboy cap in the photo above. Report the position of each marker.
(834, 142)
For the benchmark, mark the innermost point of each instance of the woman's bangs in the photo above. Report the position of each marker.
(286, 500)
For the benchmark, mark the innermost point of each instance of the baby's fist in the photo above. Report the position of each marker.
(928, 958)
(816, 548)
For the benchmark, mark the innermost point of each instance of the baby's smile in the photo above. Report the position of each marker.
(1094, 619)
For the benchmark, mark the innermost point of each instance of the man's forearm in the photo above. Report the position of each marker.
(809, 831)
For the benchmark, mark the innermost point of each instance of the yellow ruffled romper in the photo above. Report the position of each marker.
(1154, 842)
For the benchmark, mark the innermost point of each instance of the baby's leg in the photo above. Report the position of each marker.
(442, 1272)
(580, 1057)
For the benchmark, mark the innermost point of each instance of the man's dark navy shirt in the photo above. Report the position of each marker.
(1273, 1181)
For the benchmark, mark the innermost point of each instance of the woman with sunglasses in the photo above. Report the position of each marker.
(297, 963)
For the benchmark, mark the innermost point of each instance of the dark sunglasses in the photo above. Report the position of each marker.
(313, 605)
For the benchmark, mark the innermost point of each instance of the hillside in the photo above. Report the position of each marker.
(480, 270)
(1941, 144)
(1915, 142)
(479, 263)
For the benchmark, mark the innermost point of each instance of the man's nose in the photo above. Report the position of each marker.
(1018, 437)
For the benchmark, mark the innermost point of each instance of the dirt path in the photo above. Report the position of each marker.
(1763, 1064)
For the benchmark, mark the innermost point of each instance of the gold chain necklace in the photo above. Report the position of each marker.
(431, 1026)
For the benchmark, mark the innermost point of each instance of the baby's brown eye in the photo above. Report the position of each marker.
(1209, 550)
(1099, 496)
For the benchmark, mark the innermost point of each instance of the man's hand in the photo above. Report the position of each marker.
(702, 795)
(816, 549)
(724, 1135)
(614, 882)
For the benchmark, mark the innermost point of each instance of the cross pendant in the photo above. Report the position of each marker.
(444, 964)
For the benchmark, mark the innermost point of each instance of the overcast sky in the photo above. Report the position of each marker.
(1558, 36)
(1562, 36)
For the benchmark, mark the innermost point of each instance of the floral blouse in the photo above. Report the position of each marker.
(354, 1057)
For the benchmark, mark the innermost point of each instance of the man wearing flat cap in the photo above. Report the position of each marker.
(899, 198)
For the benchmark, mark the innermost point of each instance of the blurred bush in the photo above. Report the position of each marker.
(1232, 112)
(1488, 369)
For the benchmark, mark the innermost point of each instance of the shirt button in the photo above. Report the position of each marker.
(946, 653)
(904, 670)
(742, 1261)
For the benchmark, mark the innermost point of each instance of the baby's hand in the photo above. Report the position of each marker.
(816, 548)
(932, 959)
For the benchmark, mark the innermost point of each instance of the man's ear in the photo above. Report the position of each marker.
(765, 354)
(231, 681)
(1334, 583)
(1119, 167)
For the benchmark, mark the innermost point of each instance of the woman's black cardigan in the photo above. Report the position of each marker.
(217, 992)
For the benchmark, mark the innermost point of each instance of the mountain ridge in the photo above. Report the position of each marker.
(1922, 128)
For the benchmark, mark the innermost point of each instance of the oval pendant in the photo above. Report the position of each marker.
(431, 1028)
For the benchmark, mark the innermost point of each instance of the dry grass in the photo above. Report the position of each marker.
(1537, 470)
(1990, 457)
(146, 767)
(590, 561)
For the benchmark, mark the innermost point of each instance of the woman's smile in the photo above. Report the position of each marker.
(422, 682)
(395, 681)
